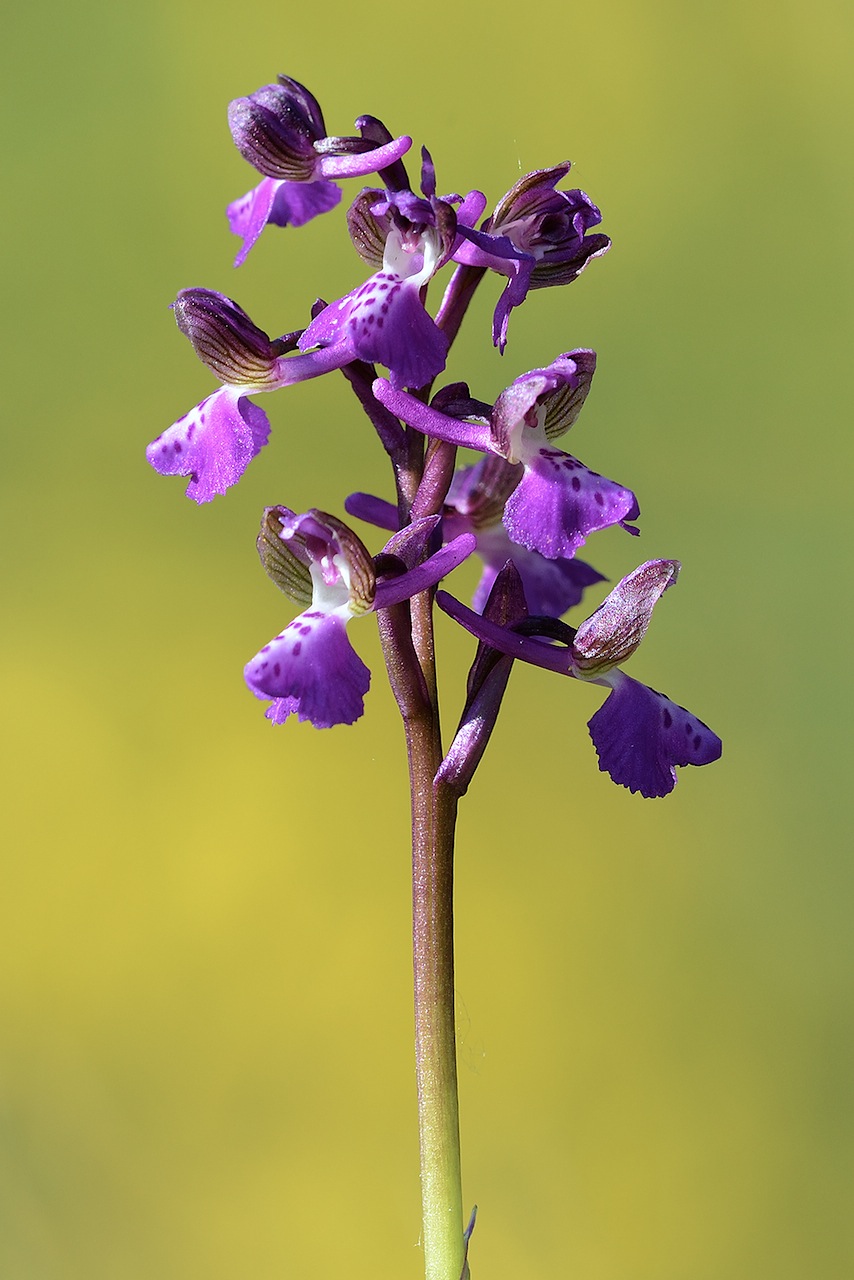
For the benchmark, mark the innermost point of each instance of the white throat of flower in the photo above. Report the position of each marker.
(330, 583)
(413, 260)
(527, 435)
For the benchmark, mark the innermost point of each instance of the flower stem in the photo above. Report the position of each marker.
(407, 644)
(433, 820)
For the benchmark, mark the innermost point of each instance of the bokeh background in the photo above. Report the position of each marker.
(205, 1029)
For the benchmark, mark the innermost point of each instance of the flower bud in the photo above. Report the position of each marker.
(550, 225)
(226, 340)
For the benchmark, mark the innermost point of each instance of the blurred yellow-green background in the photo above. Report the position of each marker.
(205, 1028)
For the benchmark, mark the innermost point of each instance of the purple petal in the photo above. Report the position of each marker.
(213, 444)
(551, 586)
(296, 203)
(513, 295)
(498, 253)
(640, 735)
(425, 575)
(389, 326)
(384, 322)
(249, 215)
(431, 422)
(365, 162)
(281, 203)
(313, 666)
(278, 711)
(329, 327)
(376, 511)
(559, 503)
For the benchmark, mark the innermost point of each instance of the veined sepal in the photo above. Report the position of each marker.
(609, 637)
(316, 558)
(227, 340)
(275, 129)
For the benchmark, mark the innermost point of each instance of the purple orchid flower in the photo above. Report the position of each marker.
(475, 504)
(558, 502)
(640, 735)
(384, 320)
(537, 237)
(214, 443)
(311, 669)
(279, 129)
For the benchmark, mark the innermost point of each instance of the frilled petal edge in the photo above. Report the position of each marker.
(311, 670)
(213, 444)
(559, 503)
(640, 735)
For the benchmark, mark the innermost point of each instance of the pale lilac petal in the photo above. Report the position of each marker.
(213, 444)
(315, 669)
(559, 503)
(359, 164)
(609, 637)
(640, 735)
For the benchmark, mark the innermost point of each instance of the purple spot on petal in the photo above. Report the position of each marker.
(597, 497)
(576, 483)
(697, 741)
(297, 648)
(667, 718)
(277, 669)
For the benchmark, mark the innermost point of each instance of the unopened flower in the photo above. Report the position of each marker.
(536, 236)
